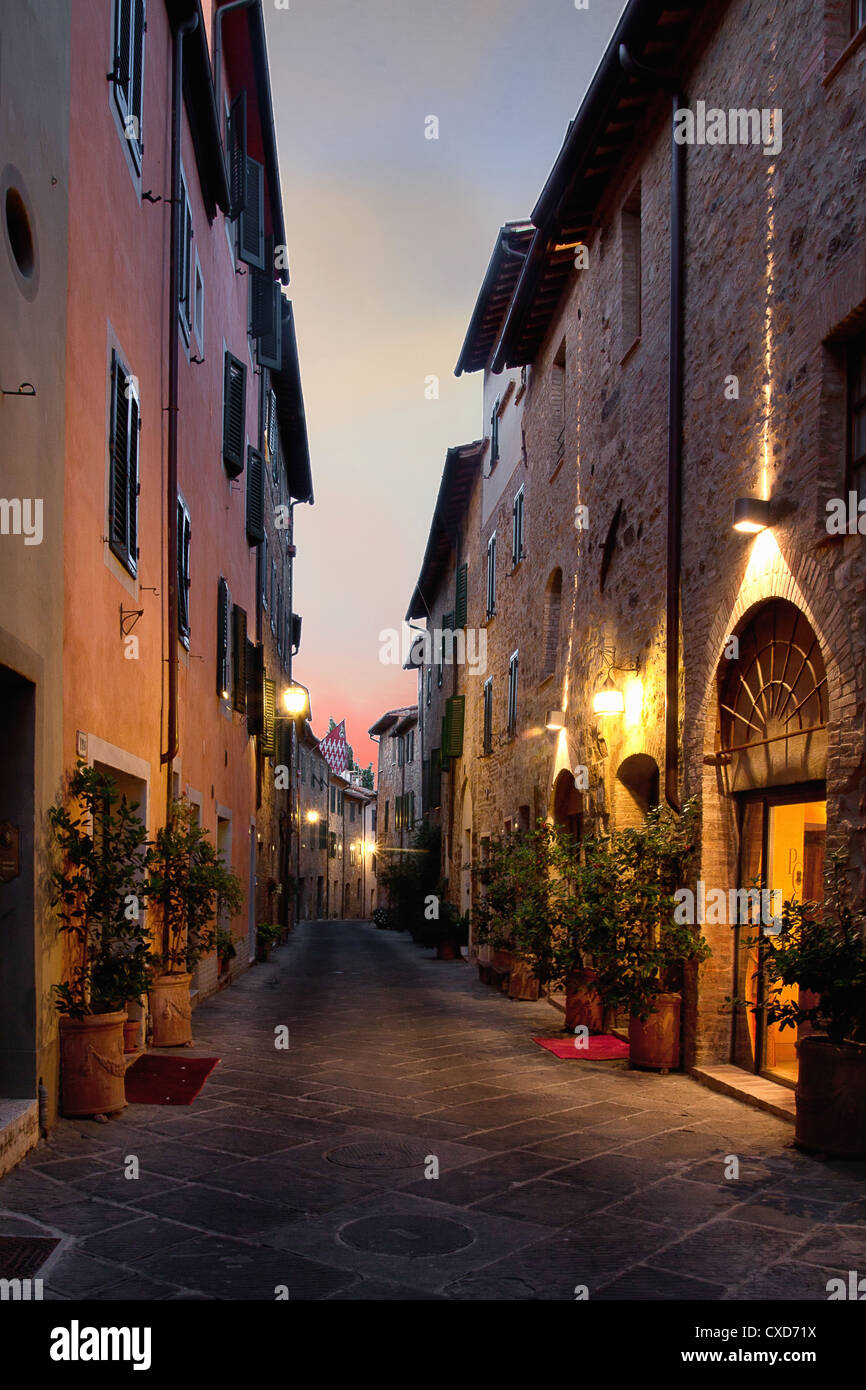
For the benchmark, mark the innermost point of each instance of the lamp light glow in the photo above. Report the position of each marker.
(295, 701)
(751, 515)
(312, 817)
(608, 700)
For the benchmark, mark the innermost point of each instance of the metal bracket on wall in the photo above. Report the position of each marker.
(128, 619)
(25, 389)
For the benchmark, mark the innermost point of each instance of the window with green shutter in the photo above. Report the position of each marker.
(461, 596)
(234, 414)
(269, 731)
(123, 449)
(184, 534)
(255, 688)
(452, 731)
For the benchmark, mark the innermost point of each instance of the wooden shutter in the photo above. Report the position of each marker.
(255, 688)
(296, 621)
(255, 497)
(222, 639)
(136, 86)
(234, 414)
(261, 302)
(251, 238)
(461, 596)
(269, 722)
(237, 155)
(239, 658)
(269, 348)
(452, 735)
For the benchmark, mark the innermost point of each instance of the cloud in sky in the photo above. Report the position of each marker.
(389, 235)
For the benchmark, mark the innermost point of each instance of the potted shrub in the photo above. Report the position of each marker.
(192, 886)
(821, 950)
(225, 949)
(99, 891)
(527, 902)
(267, 936)
(640, 948)
(411, 879)
(447, 932)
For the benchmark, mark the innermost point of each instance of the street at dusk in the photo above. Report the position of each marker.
(432, 677)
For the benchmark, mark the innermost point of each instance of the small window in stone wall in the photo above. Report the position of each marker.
(858, 16)
(552, 606)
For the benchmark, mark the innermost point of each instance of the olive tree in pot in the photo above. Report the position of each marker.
(526, 904)
(821, 952)
(194, 889)
(99, 890)
(641, 940)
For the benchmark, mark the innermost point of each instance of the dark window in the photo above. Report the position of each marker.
(491, 576)
(857, 415)
(236, 148)
(123, 487)
(255, 497)
(223, 610)
(184, 298)
(323, 835)
(631, 270)
(234, 414)
(488, 715)
(858, 16)
(517, 550)
(239, 658)
(387, 806)
(429, 684)
(271, 436)
(494, 434)
(184, 531)
(128, 71)
(265, 573)
(512, 696)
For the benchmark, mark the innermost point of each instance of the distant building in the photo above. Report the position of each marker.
(398, 783)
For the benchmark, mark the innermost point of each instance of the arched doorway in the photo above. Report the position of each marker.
(636, 790)
(772, 689)
(568, 804)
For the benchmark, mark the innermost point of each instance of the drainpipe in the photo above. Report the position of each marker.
(675, 424)
(170, 754)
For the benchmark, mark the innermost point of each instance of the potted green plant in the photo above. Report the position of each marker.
(820, 951)
(267, 936)
(225, 949)
(411, 879)
(99, 892)
(640, 947)
(526, 904)
(447, 931)
(194, 888)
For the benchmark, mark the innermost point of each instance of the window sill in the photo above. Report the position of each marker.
(845, 56)
(630, 350)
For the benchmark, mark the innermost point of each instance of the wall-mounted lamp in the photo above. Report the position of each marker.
(312, 817)
(608, 700)
(751, 515)
(296, 700)
(555, 719)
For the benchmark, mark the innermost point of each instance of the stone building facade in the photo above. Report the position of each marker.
(659, 382)
(398, 784)
(334, 867)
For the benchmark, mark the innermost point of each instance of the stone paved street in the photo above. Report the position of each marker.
(306, 1168)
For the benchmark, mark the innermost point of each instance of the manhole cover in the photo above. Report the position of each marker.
(22, 1256)
(375, 1154)
(415, 1237)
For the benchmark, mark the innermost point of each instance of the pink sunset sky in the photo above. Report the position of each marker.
(389, 235)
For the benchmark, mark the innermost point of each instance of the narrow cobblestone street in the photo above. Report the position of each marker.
(305, 1169)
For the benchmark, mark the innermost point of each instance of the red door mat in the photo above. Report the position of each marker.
(156, 1080)
(601, 1047)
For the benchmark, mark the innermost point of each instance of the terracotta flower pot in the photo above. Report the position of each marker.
(583, 1006)
(831, 1097)
(522, 983)
(656, 1043)
(446, 950)
(131, 1034)
(92, 1064)
(170, 1010)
